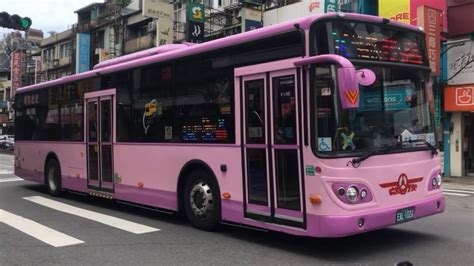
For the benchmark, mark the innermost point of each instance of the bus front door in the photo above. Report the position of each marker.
(271, 148)
(99, 139)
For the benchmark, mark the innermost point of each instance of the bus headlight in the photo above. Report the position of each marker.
(352, 194)
(439, 177)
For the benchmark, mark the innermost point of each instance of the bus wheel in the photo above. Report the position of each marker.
(53, 178)
(202, 200)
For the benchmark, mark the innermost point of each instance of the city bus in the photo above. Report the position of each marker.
(321, 126)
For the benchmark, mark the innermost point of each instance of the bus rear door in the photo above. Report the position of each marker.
(99, 139)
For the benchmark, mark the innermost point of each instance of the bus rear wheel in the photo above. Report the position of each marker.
(53, 177)
(202, 200)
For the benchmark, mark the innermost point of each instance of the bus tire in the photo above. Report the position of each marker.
(201, 198)
(53, 177)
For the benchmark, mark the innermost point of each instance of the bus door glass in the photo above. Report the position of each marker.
(99, 141)
(272, 148)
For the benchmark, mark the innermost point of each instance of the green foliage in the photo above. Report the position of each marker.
(122, 3)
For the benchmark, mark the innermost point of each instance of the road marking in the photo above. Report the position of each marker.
(122, 224)
(455, 194)
(11, 179)
(459, 187)
(38, 231)
(459, 190)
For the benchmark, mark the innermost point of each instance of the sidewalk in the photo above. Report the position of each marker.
(464, 180)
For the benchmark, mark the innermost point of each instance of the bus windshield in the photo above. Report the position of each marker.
(392, 112)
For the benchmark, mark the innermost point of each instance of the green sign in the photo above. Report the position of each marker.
(196, 12)
(331, 6)
(310, 170)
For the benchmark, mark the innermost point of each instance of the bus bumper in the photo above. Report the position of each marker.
(339, 226)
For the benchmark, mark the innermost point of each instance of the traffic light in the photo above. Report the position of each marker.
(14, 22)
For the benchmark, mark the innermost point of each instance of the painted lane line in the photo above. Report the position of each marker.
(456, 194)
(38, 231)
(11, 179)
(459, 190)
(118, 223)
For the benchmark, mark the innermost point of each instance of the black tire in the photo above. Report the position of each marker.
(210, 215)
(53, 178)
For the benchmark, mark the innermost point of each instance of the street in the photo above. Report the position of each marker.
(77, 229)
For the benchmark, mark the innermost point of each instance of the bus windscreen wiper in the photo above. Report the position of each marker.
(432, 148)
(356, 161)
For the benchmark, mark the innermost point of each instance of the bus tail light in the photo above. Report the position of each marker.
(352, 193)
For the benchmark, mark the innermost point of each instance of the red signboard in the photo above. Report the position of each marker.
(16, 71)
(459, 98)
(430, 19)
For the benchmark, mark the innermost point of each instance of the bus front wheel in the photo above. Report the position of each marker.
(202, 200)
(53, 177)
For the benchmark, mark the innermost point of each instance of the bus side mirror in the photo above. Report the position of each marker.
(348, 87)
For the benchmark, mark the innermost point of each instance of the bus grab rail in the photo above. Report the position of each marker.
(347, 78)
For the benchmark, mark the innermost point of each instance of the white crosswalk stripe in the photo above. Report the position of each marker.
(460, 191)
(112, 221)
(10, 179)
(38, 231)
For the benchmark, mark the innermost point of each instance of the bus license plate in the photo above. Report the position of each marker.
(405, 215)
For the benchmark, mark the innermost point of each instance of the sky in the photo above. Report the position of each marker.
(47, 15)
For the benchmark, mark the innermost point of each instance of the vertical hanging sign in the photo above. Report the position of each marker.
(430, 19)
(16, 71)
(195, 22)
(83, 42)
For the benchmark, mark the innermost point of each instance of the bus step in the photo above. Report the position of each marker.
(101, 194)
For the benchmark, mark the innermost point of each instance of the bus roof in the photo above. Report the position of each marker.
(304, 23)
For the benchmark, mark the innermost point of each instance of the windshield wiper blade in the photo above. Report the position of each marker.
(356, 161)
(431, 146)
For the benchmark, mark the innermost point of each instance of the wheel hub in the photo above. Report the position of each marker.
(201, 199)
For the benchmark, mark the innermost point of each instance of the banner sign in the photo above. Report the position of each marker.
(195, 32)
(16, 58)
(459, 98)
(83, 44)
(252, 19)
(397, 10)
(430, 19)
(196, 12)
(165, 32)
(157, 9)
(459, 55)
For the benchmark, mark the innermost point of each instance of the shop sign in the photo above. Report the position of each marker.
(396, 10)
(83, 43)
(252, 19)
(459, 98)
(459, 69)
(16, 58)
(430, 19)
(196, 12)
(157, 9)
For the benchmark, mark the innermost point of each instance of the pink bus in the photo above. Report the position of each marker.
(321, 126)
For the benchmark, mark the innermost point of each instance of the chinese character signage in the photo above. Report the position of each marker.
(16, 71)
(251, 19)
(398, 10)
(165, 31)
(196, 12)
(430, 19)
(157, 9)
(329, 6)
(459, 55)
(83, 52)
(459, 98)
(195, 32)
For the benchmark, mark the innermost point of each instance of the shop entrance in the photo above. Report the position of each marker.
(468, 145)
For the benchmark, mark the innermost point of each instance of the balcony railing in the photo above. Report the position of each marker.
(138, 44)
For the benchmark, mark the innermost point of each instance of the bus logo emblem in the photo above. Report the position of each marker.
(402, 186)
(352, 96)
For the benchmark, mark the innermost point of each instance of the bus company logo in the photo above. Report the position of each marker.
(402, 186)
(352, 96)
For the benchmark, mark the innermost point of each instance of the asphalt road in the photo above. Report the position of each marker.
(445, 239)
